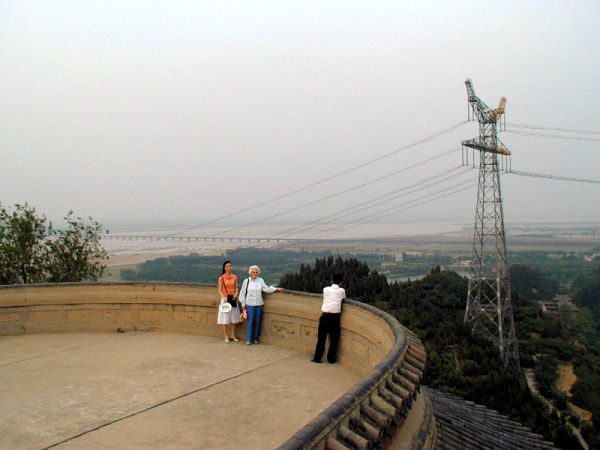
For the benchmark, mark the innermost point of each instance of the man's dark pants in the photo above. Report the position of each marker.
(329, 325)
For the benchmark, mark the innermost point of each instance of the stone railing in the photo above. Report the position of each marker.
(373, 344)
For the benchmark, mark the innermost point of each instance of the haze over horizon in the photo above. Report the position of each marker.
(187, 112)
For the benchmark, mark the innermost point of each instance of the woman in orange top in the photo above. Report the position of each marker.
(228, 286)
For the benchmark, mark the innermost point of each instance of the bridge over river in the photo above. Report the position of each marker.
(167, 237)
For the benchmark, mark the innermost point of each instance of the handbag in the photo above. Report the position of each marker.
(232, 300)
(245, 313)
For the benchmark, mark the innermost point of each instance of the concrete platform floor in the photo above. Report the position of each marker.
(157, 390)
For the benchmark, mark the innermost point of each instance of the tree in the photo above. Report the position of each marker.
(32, 251)
(75, 254)
(22, 245)
(587, 290)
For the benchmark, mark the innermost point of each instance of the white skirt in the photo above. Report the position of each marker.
(232, 316)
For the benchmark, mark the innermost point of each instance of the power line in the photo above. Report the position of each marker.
(419, 201)
(539, 127)
(425, 199)
(386, 118)
(434, 180)
(571, 108)
(407, 190)
(363, 205)
(376, 201)
(337, 194)
(552, 136)
(553, 177)
(340, 135)
(540, 88)
(328, 178)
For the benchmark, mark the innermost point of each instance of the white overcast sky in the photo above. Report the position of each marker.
(183, 112)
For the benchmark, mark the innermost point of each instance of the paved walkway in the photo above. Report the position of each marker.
(157, 390)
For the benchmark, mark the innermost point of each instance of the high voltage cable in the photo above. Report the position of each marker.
(403, 207)
(342, 135)
(376, 201)
(552, 177)
(431, 197)
(539, 127)
(328, 178)
(337, 194)
(428, 198)
(416, 187)
(386, 198)
(365, 204)
(387, 117)
(541, 88)
(573, 108)
(552, 136)
(416, 202)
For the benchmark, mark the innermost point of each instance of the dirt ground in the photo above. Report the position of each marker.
(566, 378)
(585, 415)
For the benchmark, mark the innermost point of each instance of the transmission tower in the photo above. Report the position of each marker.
(489, 308)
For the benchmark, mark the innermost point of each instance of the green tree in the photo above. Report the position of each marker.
(23, 236)
(32, 251)
(75, 253)
(587, 290)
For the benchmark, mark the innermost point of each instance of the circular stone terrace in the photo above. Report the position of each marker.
(144, 365)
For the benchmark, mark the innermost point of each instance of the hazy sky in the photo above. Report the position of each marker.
(183, 112)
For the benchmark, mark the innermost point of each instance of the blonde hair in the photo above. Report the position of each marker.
(252, 268)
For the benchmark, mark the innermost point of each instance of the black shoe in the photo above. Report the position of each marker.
(332, 362)
(315, 361)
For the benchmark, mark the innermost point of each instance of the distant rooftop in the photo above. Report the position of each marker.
(463, 425)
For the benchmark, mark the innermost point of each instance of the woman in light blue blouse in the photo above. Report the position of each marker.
(252, 302)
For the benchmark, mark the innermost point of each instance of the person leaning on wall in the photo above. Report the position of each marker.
(252, 302)
(329, 322)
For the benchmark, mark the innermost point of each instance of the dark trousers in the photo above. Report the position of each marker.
(329, 325)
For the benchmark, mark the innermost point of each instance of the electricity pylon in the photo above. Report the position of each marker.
(489, 308)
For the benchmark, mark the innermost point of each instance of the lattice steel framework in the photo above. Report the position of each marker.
(489, 306)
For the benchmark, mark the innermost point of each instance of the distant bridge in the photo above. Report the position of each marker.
(134, 237)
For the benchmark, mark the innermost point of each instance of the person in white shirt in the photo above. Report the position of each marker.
(252, 302)
(329, 322)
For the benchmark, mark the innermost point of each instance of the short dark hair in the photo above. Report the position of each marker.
(336, 278)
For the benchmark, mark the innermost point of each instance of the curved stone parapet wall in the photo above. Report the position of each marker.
(389, 357)
(376, 407)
